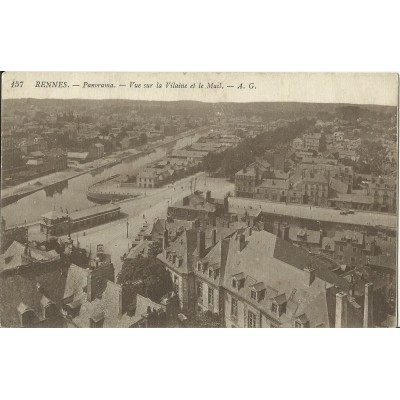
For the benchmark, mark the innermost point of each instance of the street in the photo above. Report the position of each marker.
(240, 205)
(148, 208)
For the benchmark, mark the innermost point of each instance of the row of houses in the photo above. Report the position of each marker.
(316, 181)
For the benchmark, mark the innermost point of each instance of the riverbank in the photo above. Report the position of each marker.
(12, 194)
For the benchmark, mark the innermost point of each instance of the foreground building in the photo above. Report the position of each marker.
(256, 279)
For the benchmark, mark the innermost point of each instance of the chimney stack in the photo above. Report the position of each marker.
(309, 275)
(285, 232)
(341, 310)
(277, 228)
(241, 242)
(373, 248)
(165, 237)
(201, 243)
(214, 236)
(368, 305)
(89, 286)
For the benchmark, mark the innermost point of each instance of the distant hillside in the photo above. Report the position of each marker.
(267, 110)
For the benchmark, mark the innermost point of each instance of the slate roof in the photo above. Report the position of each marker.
(28, 287)
(304, 235)
(15, 256)
(196, 202)
(279, 265)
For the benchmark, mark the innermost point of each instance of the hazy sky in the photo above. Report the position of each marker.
(357, 88)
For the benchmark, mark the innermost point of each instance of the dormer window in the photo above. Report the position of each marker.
(257, 291)
(213, 271)
(238, 281)
(302, 321)
(278, 305)
(199, 266)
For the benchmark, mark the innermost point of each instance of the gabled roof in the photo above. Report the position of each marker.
(185, 247)
(258, 286)
(15, 256)
(281, 299)
(196, 202)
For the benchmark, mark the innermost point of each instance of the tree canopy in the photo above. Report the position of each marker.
(156, 281)
(234, 159)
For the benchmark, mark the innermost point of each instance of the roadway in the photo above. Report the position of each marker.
(113, 235)
(361, 218)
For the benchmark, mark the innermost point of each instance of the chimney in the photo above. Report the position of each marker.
(309, 275)
(165, 237)
(368, 305)
(277, 228)
(89, 286)
(201, 243)
(241, 242)
(214, 236)
(208, 195)
(373, 248)
(285, 232)
(341, 310)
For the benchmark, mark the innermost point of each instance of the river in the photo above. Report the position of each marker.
(71, 195)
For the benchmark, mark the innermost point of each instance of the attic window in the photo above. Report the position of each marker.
(238, 280)
(253, 294)
(8, 259)
(302, 322)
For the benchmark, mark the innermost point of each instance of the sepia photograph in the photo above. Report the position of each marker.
(199, 200)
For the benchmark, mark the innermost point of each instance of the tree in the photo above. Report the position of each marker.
(154, 249)
(372, 156)
(156, 281)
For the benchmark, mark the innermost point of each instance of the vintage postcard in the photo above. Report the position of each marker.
(223, 200)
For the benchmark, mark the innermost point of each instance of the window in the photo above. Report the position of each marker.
(341, 248)
(274, 308)
(354, 249)
(199, 290)
(251, 319)
(253, 294)
(234, 283)
(352, 260)
(234, 308)
(210, 273)
(297, 324)
(210, 296)
(199, 266)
